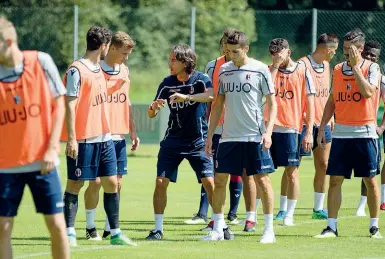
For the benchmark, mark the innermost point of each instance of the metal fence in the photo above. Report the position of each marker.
(61, 32)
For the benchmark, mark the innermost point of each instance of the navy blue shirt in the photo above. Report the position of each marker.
(187, 125)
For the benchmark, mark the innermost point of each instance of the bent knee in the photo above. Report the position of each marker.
(74, 186)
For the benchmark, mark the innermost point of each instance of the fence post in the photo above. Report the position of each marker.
(314, 29)
(192, 33)
(76, 31)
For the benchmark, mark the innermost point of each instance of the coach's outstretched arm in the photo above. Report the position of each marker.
(366, 88)
(155, 106)
(330, 107)
(205, 97)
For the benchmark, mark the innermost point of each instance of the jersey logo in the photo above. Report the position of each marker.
(248, 77)
(191, 90)
(72, 71)
(78, 172)
(348, 87)
(281, 84)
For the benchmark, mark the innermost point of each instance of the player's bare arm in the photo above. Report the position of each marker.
(366, 88)
(307, 142)
(380, 129)
(48, 162)
(70, 117)
(272, 115)
(205, 97)
(133, 135)
(215, 116)
(326, 117)
(155, 107)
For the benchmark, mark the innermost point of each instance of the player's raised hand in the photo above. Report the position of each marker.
(307, 142)
(48, 162)
(134, 140)
(266, 141)
(280, 57)
(354, 56)
(72, 149)
(209, 147)
(178, 98)
(158, 104)
(321, 138)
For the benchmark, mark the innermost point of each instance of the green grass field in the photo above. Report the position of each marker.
(30, 239)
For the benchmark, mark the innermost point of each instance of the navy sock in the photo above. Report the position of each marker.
(235, 189)
(70, 208)
(204, 203)
(111, 206)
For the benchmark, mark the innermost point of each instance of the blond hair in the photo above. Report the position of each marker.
(121, 38)
(7, 29)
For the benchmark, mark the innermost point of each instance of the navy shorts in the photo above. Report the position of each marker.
(121, 156)
(94, 160)
(169, 160)
(46, 192)
(233, 157)
(285, 149)
(328, 138)
(358, 154)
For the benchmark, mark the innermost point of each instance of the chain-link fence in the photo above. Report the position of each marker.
(60, 32)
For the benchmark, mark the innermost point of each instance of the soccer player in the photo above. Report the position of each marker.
(294, 90)
(318, 65)
(121, 122)
(245, 142)
(186, 92)
(90, 150)
(372, 51)
(32, 113)
(235, 186)
(353, 99)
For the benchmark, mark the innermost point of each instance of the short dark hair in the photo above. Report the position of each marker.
(185, 54)
(108, 34)
(327, 38)
(96, 37)
(355, 36)
(278, 44)
(373, 44)
(237, 37)
(226, 34)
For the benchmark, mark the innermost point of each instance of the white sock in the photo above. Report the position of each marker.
(257, 201)
(90, 218)
(319, 198)
(219, 223)
(382, 193)
(269, 222)
(115, 231)
(107, 225)
(71, 231)
(250, 216)
(362, 204)
(290, 208)
(332, 223)
(159, 222)
(373, 222)
(283, 203)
